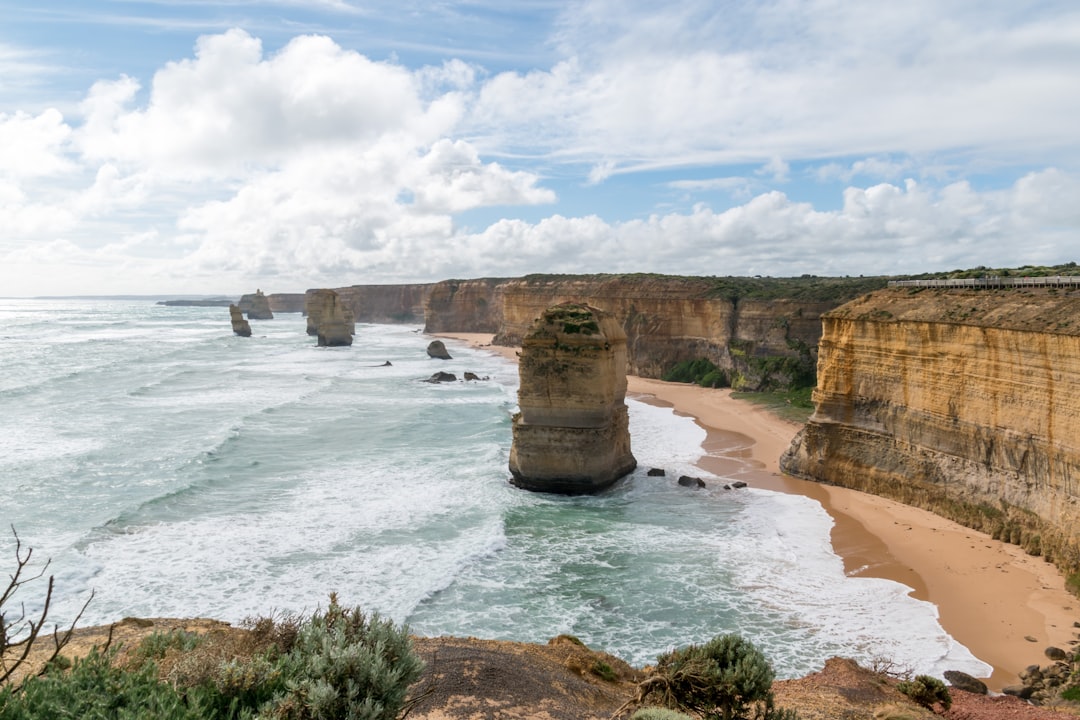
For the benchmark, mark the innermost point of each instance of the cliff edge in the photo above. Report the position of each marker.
(963, 402)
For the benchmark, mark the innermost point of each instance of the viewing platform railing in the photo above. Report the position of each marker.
(993, 282)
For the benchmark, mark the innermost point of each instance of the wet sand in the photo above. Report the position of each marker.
(991, 596)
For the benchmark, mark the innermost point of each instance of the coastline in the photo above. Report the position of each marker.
(990, 596)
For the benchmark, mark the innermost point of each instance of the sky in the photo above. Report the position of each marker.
(216, 146)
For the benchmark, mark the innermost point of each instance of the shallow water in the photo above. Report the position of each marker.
(179, 470)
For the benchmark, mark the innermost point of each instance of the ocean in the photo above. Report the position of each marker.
(177, 470)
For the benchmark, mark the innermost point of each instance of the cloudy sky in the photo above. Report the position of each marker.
(215, 146)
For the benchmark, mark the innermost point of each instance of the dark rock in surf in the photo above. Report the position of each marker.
(437, 350)
(688, 481)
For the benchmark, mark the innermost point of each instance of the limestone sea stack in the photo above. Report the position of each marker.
(326, 305)
(240, 326)
(572, 434)
(257, 306)
(328, 319)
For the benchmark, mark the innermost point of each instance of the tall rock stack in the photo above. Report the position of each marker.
(328, 319)
(240, 326)
(572, 434)
(256, 306)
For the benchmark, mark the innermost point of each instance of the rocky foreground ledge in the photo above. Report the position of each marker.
(472, 679)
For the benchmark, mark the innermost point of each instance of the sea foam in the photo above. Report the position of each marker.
(179, 470)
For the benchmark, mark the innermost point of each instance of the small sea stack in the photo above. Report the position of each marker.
(572, 434)
(240, 326)
(256, 306)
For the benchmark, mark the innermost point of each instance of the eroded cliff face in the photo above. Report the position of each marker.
(966, 403)
(386, 303)
(572, 433)
(474, 306)
(671, 319)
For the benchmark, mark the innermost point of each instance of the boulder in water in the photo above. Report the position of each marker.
(437, 350)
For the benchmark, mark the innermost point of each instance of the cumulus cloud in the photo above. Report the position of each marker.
(33, 145)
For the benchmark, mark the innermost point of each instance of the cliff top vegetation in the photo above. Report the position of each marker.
(806, 288)
(1046, 310)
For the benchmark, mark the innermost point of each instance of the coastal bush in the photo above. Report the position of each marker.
(604, 671)
(339, 663)
(727, 678)
(346, 664)
(926, 690)
(95, 687)
(658, 713)
(702, 371)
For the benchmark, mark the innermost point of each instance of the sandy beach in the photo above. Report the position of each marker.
(991, 596)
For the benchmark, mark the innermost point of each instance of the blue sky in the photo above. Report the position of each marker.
(205, 147)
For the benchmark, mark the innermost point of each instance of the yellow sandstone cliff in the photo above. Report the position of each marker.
(964, 402)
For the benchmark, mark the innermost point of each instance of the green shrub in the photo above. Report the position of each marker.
(658, 713)
(154, 646)
(926, 690)
(604, 671)
(727, 678)
(348, 665)
(703, 372)
(1071, 694)
(95, 688)
(337, 664)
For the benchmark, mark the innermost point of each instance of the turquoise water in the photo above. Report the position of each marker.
(178, 470)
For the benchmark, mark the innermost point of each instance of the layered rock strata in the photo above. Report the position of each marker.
(966, 403)
(287, 302)
(328, 319)
(240, 325)
(386, 303)
(258, 306)
(473, 306)
(572, 433)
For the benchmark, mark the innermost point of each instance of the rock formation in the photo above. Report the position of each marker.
(964, 402)
(437, 349)
(572, 433)
(328, 320)
(385, 303)
(240, 326)
(287, 302)
(325, 306)
(743, 325)
(256, 306)
(473, 306)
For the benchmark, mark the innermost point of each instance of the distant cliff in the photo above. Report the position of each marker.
(385, 303)
(746, 326)
(964, 402)
(671, 319)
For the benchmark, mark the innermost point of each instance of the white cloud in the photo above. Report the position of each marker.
(230, 109)
(33, 145)
(686, 83)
